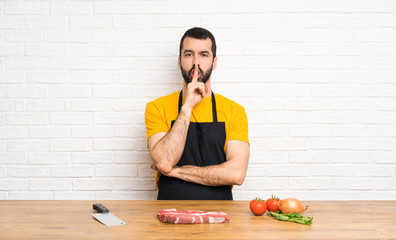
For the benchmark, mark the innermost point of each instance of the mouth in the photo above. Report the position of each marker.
(192, 73)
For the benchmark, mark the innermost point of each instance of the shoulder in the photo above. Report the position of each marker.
(164, 100)
(228, 104)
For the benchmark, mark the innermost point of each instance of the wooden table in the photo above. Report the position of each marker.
(73, 220)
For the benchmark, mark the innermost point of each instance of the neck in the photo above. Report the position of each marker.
(208, 89)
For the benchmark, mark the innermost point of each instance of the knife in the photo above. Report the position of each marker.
(105, 216)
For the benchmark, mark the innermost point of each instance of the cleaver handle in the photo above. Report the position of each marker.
(100, 208)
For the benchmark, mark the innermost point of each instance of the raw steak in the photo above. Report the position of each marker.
(192, 216)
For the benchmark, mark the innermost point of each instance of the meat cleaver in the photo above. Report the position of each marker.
(105, 216)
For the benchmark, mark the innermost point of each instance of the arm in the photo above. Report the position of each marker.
(167, 148)
(231, 172)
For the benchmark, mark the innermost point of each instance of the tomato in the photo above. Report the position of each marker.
(273, 204)
(258, 206)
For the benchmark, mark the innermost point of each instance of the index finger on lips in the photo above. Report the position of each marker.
(195, 77)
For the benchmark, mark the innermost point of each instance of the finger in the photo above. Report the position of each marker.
(195, 77)
(200, 88)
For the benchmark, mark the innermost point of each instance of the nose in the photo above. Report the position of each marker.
(196, 60)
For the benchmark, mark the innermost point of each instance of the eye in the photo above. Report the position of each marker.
(187, 54)
(205, 55)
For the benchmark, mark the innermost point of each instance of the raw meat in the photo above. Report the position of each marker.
(192, 216)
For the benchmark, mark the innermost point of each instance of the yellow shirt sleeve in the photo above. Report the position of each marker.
(154, 120)
(238, 126)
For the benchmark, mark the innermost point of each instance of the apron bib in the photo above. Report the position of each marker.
(204, 147)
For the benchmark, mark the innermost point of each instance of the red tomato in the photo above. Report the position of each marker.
(258, 206)
(273, 204)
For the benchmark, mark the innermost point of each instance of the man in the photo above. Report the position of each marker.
(198, 140)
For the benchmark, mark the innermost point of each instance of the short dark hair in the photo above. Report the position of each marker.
(199, 33)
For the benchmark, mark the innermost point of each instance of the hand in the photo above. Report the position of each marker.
(195, 90)
(154, 167)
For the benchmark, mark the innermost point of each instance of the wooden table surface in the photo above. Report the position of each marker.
(73, 220)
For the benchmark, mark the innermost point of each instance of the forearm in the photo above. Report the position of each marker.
(215, 175)
(168, 150)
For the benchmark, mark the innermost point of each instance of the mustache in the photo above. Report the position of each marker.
(199, 68)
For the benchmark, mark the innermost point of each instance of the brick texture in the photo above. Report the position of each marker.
(317, 80)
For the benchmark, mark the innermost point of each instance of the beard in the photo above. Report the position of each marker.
(204, 75)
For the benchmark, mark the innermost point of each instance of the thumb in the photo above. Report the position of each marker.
(195, 77)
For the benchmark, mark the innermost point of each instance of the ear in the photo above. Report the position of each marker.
(214, 63)
(178, 61)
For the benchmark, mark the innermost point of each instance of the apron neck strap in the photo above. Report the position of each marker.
(214, 111)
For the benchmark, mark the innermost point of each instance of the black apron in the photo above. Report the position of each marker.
(204, 147)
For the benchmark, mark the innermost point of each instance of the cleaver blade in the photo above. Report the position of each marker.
(105, 216)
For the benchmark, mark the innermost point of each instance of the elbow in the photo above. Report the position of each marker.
(161, 164)
(164, 168)
(239, 179)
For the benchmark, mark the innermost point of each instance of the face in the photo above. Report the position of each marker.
(197, 51)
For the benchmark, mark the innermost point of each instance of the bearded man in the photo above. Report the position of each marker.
(198, 140)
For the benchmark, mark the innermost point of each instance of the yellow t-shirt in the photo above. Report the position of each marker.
(161, 112)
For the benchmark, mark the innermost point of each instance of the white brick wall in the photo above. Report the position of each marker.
(317, 79)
